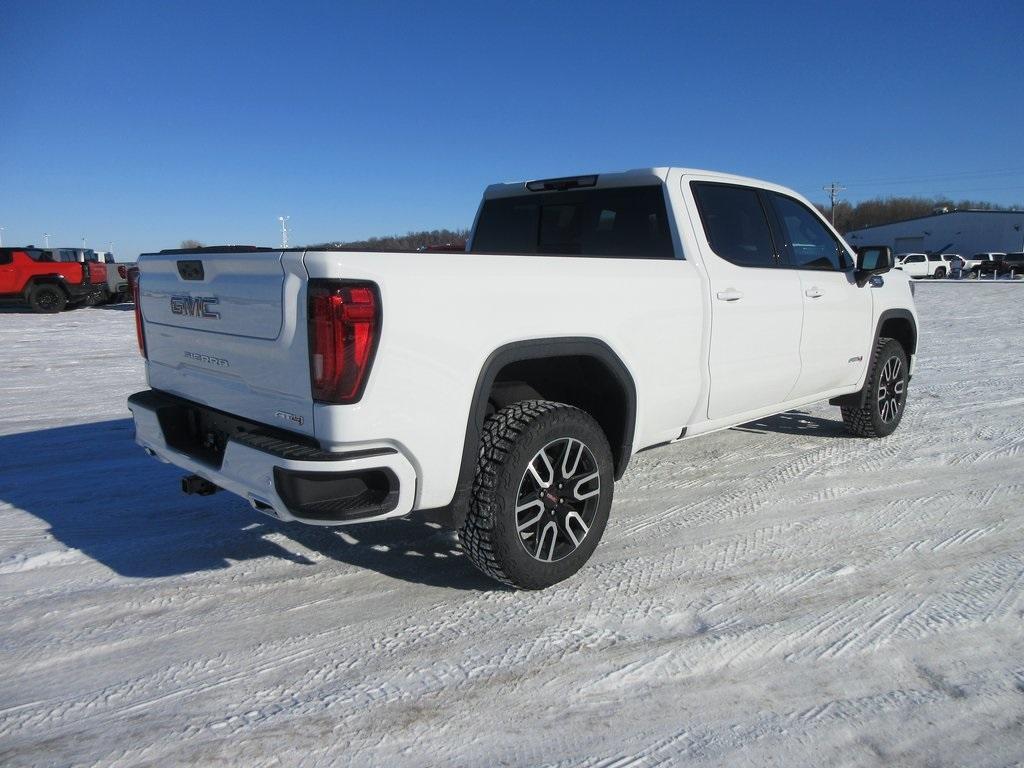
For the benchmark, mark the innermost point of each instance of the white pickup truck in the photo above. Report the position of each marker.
(502, 391)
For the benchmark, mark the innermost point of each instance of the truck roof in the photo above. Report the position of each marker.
(630, 178)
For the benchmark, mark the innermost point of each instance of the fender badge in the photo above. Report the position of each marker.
(288, 417)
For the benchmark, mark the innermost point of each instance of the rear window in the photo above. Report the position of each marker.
(36, 255)
(624, 222)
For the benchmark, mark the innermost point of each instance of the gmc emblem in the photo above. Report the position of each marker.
(198, 306)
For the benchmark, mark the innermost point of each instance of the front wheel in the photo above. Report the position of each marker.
(884, 394)
(541, 495)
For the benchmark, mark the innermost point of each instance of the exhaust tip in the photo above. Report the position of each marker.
(194, 485)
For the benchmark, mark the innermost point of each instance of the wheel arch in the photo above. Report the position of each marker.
(56, 279)
(898, 324)
(521, 370)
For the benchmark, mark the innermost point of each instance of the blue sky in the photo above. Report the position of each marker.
(145, 123)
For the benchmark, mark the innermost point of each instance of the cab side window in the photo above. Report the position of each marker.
(735, 223)
(810, 244)
(5, 257)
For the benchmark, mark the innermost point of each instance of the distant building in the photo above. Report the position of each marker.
(954, 231)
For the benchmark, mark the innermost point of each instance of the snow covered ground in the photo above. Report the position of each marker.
(779, 594)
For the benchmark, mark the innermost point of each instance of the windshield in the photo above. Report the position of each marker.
(625, 222)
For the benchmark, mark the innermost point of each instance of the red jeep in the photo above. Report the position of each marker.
(49, 280)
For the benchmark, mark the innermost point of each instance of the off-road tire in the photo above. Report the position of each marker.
(511, 440)
(47, 299)
(868, 421)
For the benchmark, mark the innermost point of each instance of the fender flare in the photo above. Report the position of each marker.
(858, 399)
(532, 349)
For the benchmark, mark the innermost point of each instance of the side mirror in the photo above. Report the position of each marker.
(872, 260)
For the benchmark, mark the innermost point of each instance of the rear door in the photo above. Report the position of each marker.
(228, 330)
(837, 312)
(756, 306)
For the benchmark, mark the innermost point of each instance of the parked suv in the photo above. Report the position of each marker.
(49, 280)
(503, 390)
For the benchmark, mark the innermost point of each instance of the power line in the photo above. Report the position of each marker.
(936, 177)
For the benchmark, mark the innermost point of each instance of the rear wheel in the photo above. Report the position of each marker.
(541, 495)
(884, 394)
(47, 299)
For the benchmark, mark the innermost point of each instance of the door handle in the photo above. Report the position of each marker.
(814, 293)
(730, 294)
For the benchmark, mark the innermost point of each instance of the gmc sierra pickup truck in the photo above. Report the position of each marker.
(49, 280)
(503, 390)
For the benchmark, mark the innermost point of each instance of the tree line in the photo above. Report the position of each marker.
(410, 241)
(872, 213)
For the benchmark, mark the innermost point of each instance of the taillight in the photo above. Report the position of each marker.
(133, 284)
(122, 271)
(344, 326)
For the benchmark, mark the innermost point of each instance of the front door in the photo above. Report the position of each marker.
(756, 306)
(7, 277)
(837, 333)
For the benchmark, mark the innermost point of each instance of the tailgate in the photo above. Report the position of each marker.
(228, 330)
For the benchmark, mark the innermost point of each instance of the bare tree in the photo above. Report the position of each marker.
(191, 244)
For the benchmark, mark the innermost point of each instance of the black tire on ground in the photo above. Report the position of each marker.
(885, 393)
(940, 273)
(974, 274)
(527, 525)
(47, 298)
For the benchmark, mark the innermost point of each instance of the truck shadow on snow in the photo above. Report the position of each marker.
(100, 494)
(796, 423)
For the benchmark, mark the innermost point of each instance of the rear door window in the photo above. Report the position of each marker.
(735, 223)
(5, 257)
(622, 222)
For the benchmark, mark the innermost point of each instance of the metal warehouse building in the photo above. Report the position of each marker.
(965, 232)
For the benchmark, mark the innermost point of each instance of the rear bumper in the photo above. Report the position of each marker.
(279, 474)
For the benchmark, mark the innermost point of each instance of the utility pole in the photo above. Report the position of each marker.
(833, 190)
(46, 238)
(1, 237)
(284, 230)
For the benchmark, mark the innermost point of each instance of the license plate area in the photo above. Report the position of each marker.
(199, 433)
